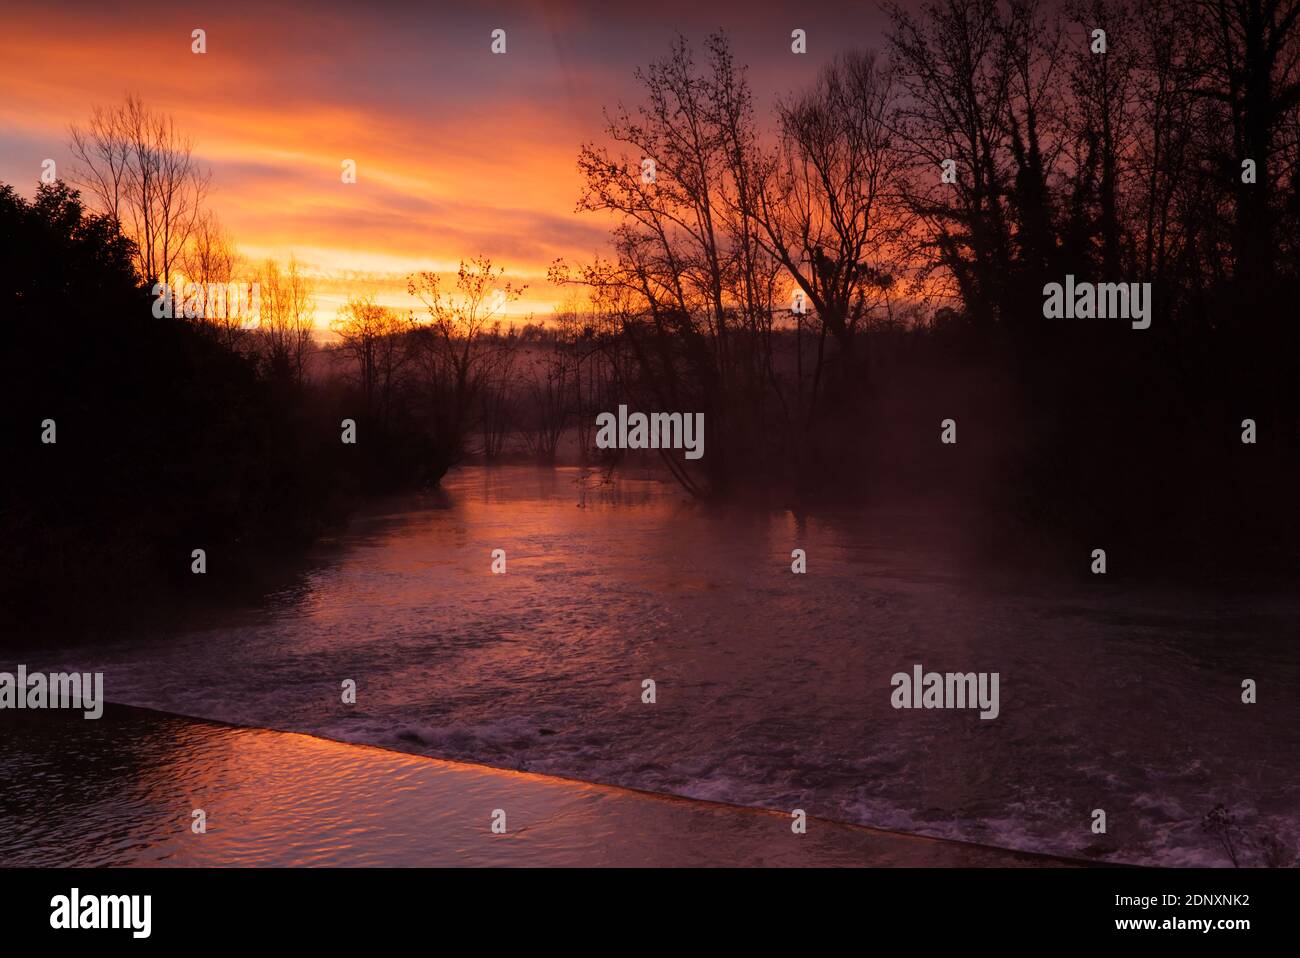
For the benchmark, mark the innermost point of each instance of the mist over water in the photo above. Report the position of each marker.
(773, 688)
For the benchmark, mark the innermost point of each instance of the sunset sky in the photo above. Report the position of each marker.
(458, 151)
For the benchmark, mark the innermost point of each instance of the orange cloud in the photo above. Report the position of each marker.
(459, 152)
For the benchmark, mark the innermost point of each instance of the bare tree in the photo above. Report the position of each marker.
(143, 174)
(1249, 78)
(1101, 137)
(693, 282)
(287, 318)
(212, 262)
(460, 349)
(1162, 147)
(961, 64)
(376, 339)
(829, 210)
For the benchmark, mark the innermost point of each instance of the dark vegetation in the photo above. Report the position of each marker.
(166, 439)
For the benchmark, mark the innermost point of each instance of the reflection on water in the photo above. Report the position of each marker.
(773, 689)
(122, 792)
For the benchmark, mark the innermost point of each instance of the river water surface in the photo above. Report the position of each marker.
(772, 689)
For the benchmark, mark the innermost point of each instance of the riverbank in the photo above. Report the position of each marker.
(123, 790)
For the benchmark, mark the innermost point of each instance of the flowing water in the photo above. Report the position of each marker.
(772, 689)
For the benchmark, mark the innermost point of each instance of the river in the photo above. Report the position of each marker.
(771, 689)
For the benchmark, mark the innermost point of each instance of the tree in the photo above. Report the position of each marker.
(1249, 80)
(211, 261)
(1100, 144)
(459, 349)
(979, 81)
(144, 176)
(176, 442)
(376, 338)
(829, 210)
(693, 282)
(286, 319)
